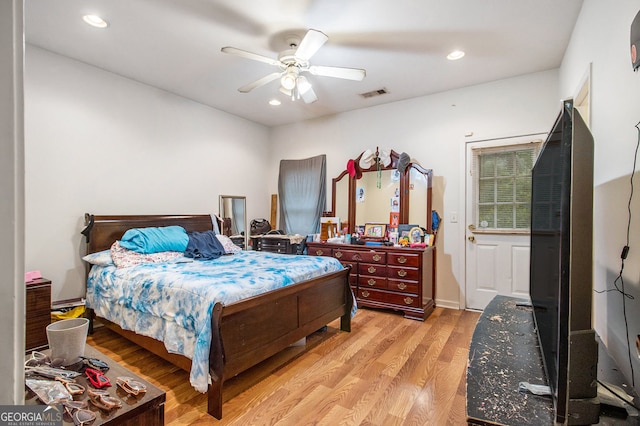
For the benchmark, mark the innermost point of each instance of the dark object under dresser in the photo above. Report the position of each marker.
(398, 278)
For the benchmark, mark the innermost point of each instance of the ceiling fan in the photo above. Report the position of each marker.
(293, 62)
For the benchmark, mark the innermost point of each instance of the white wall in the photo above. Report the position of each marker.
(100, 143)
(601, 37)
(432, 130)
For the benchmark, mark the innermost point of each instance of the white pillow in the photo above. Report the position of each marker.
(102, 258)
(227, 244)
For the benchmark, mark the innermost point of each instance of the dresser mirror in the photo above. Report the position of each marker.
(377, 194)
(340, 197)
(381, 191)
(233, 214)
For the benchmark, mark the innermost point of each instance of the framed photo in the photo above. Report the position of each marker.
(416, 234)
(403, 229)
(375, 230)
(394, 219)
(395, 204)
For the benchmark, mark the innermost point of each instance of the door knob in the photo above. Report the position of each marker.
(471, 238)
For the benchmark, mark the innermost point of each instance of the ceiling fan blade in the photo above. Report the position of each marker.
(338, 72)
(249, 55)
(310, 44)
(260, 82)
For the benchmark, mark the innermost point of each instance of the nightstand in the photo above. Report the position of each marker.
(38, 314)
(146, 409)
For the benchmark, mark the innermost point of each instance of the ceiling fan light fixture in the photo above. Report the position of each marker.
(95, 21)
(455, 55)
(288, 80)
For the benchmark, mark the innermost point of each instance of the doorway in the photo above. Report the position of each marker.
(497, 217)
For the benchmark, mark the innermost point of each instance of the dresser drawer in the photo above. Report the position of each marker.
(38, 314)
(347, 255)
(270, 244)
(320, 251)
(405, 259)
(371, 281)
(398, 299)
(372, 269)
(373, 257)
(403, 286)
(403, 273)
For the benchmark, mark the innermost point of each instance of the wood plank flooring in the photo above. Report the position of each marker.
(388, 371)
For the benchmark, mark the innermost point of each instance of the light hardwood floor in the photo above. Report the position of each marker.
(388, 371)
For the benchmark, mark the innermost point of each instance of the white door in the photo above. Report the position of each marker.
(498, 195)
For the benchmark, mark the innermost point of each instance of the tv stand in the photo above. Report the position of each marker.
(504, 351)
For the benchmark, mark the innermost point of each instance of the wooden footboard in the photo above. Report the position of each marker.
(247, 332)
(254, 329)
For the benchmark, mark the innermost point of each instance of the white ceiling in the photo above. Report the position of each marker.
(175, 45)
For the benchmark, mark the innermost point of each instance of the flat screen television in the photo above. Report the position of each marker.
(561, 284)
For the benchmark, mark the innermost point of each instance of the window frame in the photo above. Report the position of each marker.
(477, 153)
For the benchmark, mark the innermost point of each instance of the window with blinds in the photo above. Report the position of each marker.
(502, 186)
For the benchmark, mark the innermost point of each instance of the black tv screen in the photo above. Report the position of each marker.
(561, 260)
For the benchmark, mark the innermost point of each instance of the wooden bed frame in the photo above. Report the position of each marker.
(246, 332)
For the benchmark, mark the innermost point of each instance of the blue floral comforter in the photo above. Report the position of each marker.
(172, 302)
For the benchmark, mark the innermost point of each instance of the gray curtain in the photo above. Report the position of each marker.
(302, 190)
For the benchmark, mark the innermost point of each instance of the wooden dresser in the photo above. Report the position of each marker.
(397, 278)
(38, 313)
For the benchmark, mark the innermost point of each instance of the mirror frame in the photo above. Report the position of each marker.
(221, 210)
(404, 190)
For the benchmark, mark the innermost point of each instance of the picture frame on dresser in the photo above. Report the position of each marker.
(404, 230)
(375, 231)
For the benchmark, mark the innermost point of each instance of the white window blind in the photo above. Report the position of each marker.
(502, 186)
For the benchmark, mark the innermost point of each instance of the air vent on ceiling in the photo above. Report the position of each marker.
(373, 93)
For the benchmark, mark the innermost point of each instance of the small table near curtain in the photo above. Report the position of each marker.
(276, 243)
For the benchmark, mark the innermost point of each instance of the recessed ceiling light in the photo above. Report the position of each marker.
(274, 102)
(95, 21)
(456, 54)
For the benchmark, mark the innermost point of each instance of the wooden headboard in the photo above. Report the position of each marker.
(102, 231)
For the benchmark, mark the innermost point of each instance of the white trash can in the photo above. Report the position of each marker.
(67, 339)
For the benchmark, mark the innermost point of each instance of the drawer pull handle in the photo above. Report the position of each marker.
(357, 257)
(402, 273)
(365, 293)
(319, 252)
(371, 269)
(371, 281)
(408, 300)
(402, 286)
(402, 259)
(338, 254)
(377, 257)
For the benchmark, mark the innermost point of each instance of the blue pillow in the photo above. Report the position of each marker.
(154, 240)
